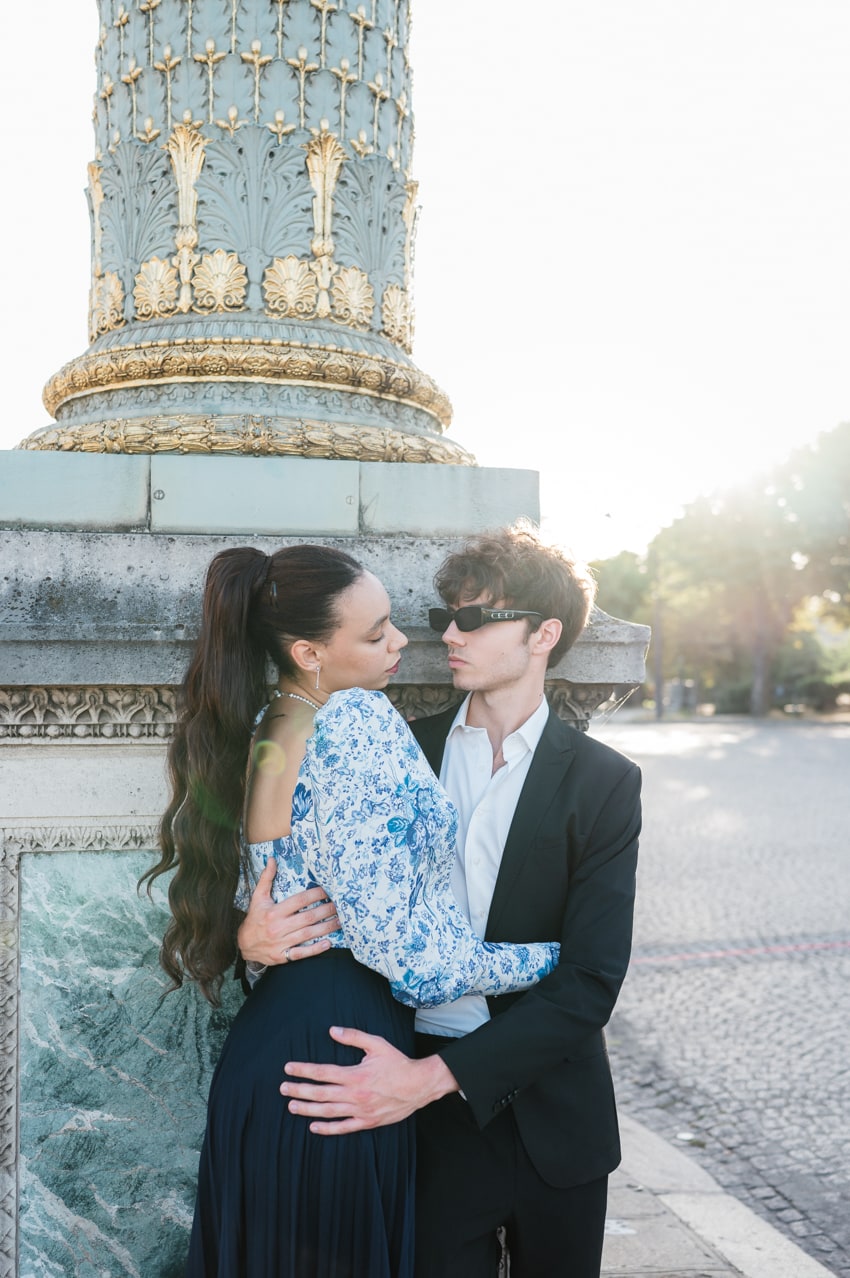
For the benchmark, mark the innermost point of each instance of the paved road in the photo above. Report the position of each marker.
(732, 1034)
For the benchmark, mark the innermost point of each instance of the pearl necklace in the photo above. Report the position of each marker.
(295, 697)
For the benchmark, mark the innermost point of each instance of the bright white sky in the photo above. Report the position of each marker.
(633, 260)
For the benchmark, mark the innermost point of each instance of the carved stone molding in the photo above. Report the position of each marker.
(248, 435)
(416, 701)
(574, 703)
(114, 836)
(142, 714)
(51, 714)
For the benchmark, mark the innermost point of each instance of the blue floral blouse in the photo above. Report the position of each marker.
(372, 825)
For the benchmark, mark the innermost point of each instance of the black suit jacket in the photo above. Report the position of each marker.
(567, 874)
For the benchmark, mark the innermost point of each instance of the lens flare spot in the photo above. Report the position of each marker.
(269, 758)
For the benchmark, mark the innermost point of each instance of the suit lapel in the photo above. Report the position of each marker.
(552, 759)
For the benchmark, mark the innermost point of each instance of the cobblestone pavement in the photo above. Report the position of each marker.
(732, 1034)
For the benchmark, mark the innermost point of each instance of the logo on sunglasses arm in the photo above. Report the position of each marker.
(474, 616)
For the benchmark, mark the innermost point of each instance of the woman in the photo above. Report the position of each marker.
(333, 785)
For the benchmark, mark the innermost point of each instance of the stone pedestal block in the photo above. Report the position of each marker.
(102, 565)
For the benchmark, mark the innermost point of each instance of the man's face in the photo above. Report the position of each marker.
(495, 656)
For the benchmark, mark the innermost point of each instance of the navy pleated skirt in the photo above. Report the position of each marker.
(275, 1201)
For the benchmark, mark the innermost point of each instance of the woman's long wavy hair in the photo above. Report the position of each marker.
(254, 607)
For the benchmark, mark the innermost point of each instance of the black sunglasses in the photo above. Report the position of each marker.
(473, 616)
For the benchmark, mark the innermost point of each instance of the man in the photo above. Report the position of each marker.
(516, 1121)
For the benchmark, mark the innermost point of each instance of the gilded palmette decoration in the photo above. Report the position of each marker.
(290, 288)
(220, 283)
(395, 315)
(107, 304)
(353, 297)
(156, 289)
(185, 149)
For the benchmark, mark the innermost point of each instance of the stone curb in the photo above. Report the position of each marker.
(702, 1216)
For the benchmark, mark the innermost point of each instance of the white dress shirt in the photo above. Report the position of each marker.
(485, 802)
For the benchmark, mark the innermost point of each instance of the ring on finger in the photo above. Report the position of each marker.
(286, 958)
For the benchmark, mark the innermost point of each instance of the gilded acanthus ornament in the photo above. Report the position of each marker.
(249, 436)
(290, 287)
(325, 158)
(95, 172)
(220, 283)
(276, 361)
(155, 293)
(106, 301)
(353, 297)
(185, 149)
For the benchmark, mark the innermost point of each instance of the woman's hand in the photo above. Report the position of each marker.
(274, 933)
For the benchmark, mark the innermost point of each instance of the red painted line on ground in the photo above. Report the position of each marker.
(739, 952)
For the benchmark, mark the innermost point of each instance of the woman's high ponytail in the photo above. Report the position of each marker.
(253, 605)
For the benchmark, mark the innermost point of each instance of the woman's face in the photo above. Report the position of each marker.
(365, 648)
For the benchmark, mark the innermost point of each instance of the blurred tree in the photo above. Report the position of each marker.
(623, 586)
(723, 583)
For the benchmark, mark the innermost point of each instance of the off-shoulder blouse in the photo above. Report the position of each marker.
(372, 825)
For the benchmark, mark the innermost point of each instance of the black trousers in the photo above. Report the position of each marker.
(470, 1182)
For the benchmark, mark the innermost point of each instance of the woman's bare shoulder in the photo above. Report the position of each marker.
(277, 752)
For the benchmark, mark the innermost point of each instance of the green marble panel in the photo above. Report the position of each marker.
(113, 1079)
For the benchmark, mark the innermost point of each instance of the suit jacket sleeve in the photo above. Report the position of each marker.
(562, 1017)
